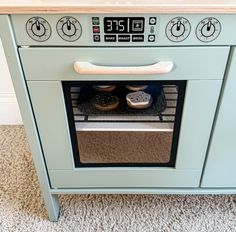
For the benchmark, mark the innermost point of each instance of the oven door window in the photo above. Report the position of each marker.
(124, 123)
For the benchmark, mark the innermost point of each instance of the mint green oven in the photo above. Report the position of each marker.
(58, 61)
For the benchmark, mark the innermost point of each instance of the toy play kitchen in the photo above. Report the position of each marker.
(125, 96)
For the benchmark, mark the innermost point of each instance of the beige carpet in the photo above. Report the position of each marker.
(22, 208)
(117, 147)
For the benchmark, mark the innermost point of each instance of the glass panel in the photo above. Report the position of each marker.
(124, 123)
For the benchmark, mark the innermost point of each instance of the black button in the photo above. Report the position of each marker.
(123, 38)
(151, 38)
(96, 38)
(110, 38)
(152, 20)
(137, 38)
(137, 25)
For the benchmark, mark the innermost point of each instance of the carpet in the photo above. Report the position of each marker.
(22, 207)
(117, 147)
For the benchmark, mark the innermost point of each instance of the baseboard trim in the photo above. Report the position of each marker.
(9, 110)
(7, 98)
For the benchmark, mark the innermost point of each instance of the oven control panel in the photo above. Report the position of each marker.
(124, 30)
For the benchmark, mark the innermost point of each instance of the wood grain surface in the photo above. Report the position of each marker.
(115, 6)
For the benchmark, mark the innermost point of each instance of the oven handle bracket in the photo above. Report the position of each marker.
(88, 68)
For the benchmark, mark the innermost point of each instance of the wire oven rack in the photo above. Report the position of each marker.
(87, 118)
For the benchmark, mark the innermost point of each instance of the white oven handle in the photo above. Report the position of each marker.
(161, 67)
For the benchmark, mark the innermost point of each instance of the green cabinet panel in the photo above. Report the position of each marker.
(190, 63)
(125, 178)
(220, 169)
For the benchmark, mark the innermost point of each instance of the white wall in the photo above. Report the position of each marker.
(9, 110)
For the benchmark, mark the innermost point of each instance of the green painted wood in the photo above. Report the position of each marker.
(220, 169)
(8, 40)
(190, 63)
(50, 113)
(198, 114)
(49, 108)
(226, 36)
(124, 177)
(191, 191)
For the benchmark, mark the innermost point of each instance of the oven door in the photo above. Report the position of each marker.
(95, 135)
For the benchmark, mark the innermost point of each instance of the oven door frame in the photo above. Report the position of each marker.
(50, 113)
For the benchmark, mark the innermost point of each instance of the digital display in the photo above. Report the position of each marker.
(119, 25)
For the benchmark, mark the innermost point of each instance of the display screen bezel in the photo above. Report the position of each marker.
(123, 25)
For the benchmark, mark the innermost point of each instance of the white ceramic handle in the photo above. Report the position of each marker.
(161, 67)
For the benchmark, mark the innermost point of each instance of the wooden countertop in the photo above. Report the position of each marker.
(116, 6)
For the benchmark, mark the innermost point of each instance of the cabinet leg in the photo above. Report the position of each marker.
(53, 206)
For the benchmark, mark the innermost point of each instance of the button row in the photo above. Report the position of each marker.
(96, 29)
(124, 38)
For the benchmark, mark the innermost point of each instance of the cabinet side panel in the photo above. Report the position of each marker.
(17, 75)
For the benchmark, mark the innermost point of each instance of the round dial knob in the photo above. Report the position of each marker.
(208, 29)
(69, 28)
(38, 29)
(178, 29)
